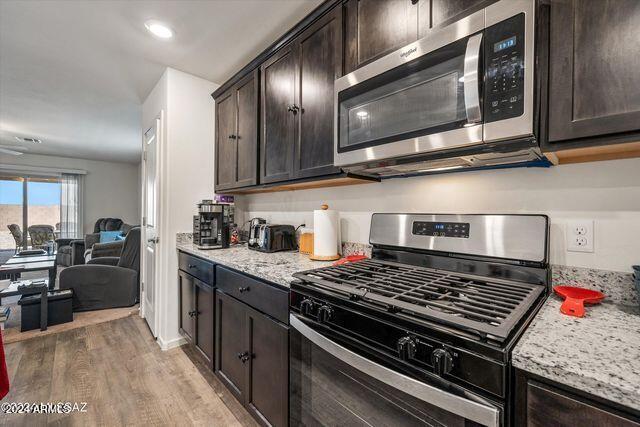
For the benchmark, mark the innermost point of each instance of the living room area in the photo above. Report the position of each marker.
(64, 226)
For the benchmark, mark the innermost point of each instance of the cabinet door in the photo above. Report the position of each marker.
(319, 55)
(247, 125)
(445, 12)
(545, 404)
(267, 388)
(230, 344)
(374, 28)
(594, 83)
(205, 319)
(278, 117)
(226, 142)
(187, 304)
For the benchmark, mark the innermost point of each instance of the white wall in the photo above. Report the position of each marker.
(608, 192)
(110, 189)
(187, 176)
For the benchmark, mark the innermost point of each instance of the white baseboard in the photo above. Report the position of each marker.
(169, 344)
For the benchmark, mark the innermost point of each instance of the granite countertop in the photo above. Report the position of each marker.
(277, 267)
(599, 353)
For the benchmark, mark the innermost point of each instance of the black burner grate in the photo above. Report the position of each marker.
(488, 306)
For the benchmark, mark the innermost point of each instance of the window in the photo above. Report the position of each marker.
(28, 201)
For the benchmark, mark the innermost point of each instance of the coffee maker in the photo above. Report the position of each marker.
(212, 225)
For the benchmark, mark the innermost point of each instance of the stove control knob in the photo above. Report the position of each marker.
(325, 313)
(306, 305)
(442, 361)
(406, 348)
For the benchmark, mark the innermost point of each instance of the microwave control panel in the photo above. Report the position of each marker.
(504, 65)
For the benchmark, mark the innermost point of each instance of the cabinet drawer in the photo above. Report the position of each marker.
(198, 268)
(259, 295)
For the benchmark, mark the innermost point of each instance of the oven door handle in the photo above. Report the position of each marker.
(470, 410)
(472, 79)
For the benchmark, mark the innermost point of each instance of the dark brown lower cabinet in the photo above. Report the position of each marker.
(540, 404)
(186, 288)
(230, 343)
(267, 380)
(252, 359)
(197, 314)
(205, 318)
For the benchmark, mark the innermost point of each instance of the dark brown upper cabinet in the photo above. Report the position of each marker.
(374, 28)
(237, 135)
(297, 103)
(225, 144)
(278, 113)
(445, 12)
(594, 83)
(319, 64)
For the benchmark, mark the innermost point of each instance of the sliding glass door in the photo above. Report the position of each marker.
(29, 205)
(12, 214)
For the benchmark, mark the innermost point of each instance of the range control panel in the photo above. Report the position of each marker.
(441, 229)
(504, 59)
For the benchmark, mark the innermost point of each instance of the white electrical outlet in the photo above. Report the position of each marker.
(579, 236)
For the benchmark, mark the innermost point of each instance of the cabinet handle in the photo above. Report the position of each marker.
(192, 313)
(192, 266)
(233, 136)
(414, 1)
(244, 357)
(293, 108)
(245, 289)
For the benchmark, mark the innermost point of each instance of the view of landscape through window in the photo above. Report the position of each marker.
(43, 205)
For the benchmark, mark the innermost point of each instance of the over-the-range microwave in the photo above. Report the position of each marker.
(461, 97)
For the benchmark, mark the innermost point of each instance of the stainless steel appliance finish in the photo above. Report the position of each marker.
(485, 120)
(510, 237)
(272, 238)
(421, 333)
(212, 225)
(254, 229)
(482, 413)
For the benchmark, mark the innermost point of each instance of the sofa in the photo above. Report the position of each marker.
(106, 281)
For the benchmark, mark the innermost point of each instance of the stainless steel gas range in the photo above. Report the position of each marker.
(421, 333)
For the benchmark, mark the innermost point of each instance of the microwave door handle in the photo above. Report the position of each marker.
(472, 79)
(470, 410)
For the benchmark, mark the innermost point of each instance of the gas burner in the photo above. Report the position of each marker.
(488, 306)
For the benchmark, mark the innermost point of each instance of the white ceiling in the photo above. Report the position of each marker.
(75, 73)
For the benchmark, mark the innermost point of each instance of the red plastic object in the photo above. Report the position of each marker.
(350, 258)
(575, 298)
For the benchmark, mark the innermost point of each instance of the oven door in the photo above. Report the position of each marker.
(331, 385)
(424, 97)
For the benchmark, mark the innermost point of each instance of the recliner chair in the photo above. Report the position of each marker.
(79, 247)
(106, 282)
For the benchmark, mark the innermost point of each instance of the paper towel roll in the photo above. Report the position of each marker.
(325, 234)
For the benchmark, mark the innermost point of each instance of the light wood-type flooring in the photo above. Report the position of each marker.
(118, 369)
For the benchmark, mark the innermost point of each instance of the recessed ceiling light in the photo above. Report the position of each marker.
(33, 140)
(159, 29)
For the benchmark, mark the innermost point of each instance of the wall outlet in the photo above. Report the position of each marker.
(579, 236)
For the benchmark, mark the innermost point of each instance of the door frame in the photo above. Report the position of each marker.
(159, 122)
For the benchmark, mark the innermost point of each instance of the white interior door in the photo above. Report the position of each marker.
(150, 225)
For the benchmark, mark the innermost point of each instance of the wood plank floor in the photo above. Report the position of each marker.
(120, 371)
